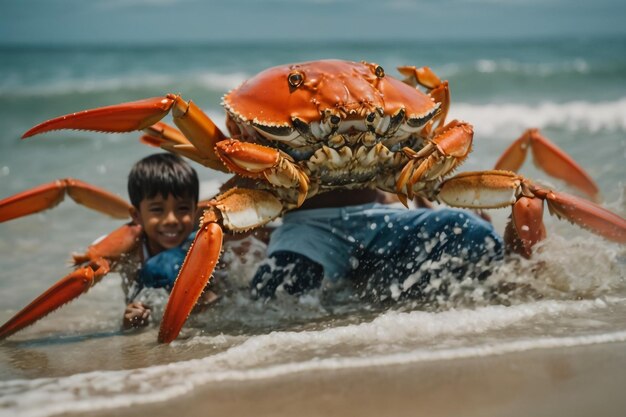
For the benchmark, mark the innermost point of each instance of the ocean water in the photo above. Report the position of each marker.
(571, 293)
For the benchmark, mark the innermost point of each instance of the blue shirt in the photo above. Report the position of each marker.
(161, 270)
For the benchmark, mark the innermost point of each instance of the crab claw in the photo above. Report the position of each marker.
(49, 195)
(191, 281)
(125, 117)
(549, 158)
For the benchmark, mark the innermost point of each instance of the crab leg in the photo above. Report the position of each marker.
(161, 134)
(193, 277)
(437, 89)
(236, 210)
(99, 256)
(171, 139)
(423, 76)
(441, 155)
(549, 158)
(49, 195)
(441, 94)
(526, 228)
(119, 118)
(495, 189)
(257, 161)
(584, 213)
(194, 124)
(59, 294)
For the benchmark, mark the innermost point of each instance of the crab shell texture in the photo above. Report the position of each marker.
(304, 105)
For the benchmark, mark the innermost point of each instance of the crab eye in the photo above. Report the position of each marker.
(295, 79)
(379, 71)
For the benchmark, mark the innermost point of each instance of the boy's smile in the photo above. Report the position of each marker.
(166, 221)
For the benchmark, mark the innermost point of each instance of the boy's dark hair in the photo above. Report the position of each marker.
(162, 173)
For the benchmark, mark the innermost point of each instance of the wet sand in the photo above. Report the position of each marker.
(581, 381)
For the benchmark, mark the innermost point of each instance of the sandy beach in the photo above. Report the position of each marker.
(579, 381)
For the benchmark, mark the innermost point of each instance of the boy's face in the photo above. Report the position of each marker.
(166, 221)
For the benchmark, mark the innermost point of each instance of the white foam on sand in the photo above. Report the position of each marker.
(281, 353)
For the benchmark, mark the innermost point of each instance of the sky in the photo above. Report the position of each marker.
(174, 21)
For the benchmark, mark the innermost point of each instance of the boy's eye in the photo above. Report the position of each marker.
(155, 209)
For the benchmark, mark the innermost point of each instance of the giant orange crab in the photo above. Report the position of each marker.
(303, 129)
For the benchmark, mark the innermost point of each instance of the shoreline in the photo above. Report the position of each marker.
(572, 381)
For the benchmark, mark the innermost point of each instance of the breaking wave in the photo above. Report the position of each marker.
(489, 119)
(512, 67)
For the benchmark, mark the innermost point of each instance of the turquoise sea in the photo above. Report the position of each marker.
(572, 293)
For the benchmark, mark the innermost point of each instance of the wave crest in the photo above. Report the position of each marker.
(492, 119)
(512, 67)
(211, 81)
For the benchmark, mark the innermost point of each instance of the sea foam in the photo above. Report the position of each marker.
(491, 119)
(272, 355)
(515, 67)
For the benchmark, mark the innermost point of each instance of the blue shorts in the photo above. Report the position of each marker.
(385, 238)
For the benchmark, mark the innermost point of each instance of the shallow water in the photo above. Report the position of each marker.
(571, 293)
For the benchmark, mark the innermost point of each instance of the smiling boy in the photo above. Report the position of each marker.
(163, 191)
(165, 221)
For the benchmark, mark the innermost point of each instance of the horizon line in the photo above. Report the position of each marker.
(291, 41)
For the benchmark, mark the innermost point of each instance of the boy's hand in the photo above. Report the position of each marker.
(137, 314)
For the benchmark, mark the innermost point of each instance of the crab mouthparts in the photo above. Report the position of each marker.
(337, 126)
